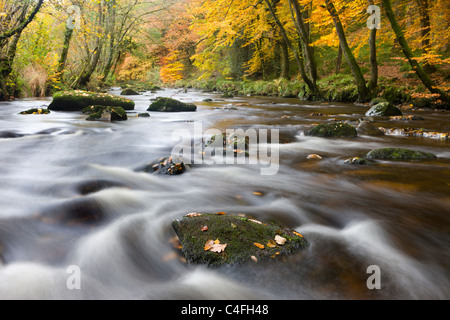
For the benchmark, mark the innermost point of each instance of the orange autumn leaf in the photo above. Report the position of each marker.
(205, 228)
(271, 244)
(259, 245)
(221, 213)
(298, 234)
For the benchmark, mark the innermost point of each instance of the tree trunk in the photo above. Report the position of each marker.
(92, 65)
(298, 58)
(285, 63)
(304, 36)
(363, 92)
(65, 52)
(423, 76)
(373, 82)
(425, 32)
(339, 60)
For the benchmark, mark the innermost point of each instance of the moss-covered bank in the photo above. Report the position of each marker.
(218, 239)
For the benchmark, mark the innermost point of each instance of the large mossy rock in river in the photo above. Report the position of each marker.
(384, 109)
(399, 154)
(171, 105)
(105, 113)
(78, 100)
(333, 129)
(219, 239)
(129, 92)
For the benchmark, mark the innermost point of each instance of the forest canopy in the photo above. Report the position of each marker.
(303, 46)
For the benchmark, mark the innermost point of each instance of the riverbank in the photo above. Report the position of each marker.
(336, 88)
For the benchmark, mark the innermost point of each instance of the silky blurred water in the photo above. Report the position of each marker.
(394, 215)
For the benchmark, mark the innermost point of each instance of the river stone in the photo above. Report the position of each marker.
(35, 111)
(171, 105)
(169, 165)
(368, 129)
(105, 113)
(129, 92)
(246, 239)
(333, 129)
(358, 161)
(399, 154)
(384, 109)
(77, 100)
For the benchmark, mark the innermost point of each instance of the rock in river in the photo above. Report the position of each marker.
(219, 239)
(399, 154)
(78, 100)
(333, 129)
(105, 113)
(171, 105)
(384, 109)
(166, 166)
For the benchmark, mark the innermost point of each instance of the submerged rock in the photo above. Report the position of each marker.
(384, 109)
(358, 161)
(78, 100)
(36, 111)
(219, 239)
(171, 105)
(368, 129)
(399, 154)
(334, 129)
(233, 143)
(166, 166)
(102, 113)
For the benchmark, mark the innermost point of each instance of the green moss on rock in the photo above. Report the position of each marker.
(35, 111)
(333, 129)
(399, 154)
(384, 109)
(171, 105)
(129, 92)
(78, 100)
(105, 113)
(246, 239)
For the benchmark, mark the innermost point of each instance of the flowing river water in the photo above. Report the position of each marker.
(71, 197)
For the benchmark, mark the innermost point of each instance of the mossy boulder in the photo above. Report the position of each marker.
(384, 109)
(129, 92)
(77, 100)
(169, 165)
(333, 129)
(171, 105)
(220, 239)
(105, 113)
(399, 154)
(36, 111)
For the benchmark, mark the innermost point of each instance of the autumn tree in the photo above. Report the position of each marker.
(15, 17)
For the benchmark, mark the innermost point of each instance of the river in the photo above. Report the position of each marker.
(73, 204)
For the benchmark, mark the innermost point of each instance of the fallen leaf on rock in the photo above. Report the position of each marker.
(233, 225)
(280, 240)
(205, 228)
(259, 245)
(208, 244)
(193, 214)
(271, 244)
(313, 156)
(221, 213)
(255, 259)
(297, 234)
(217, 247)
(214, 246)
(255, 221)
